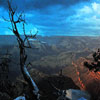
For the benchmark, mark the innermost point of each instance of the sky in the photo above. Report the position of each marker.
(55, 17)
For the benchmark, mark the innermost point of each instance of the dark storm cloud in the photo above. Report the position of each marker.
(40, 4)
(3, 3)
(57, 17)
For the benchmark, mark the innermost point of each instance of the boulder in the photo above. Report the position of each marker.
(74, 94)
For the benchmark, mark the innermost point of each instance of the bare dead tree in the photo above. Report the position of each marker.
(5, 60)
(22, 46)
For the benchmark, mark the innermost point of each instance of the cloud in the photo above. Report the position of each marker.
(60, 17)
(8, 33)
(3, 3)
(96, 7)
(1, 20)
(40, 4)
(86, 20)
(86, 10)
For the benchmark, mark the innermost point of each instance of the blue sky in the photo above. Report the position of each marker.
(55, 17)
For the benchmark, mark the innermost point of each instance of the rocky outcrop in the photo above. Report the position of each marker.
(85, 79)
(73, 94)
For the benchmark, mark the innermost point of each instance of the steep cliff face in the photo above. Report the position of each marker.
(85, 79)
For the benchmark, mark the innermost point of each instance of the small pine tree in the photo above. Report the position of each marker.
(95, 65)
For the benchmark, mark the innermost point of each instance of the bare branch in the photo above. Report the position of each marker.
(14, 10)
(58, 90)
(20, 18)
(5, 19)
(30, 36)
(10, 29)
(22, 81)
(22, 46)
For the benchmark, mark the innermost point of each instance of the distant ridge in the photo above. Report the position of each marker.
(65, 42)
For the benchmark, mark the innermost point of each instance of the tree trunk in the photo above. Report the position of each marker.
(25, 72)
